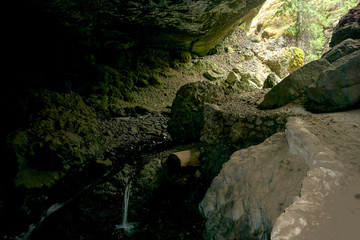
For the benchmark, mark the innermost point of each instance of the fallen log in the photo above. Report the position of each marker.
(182, 159)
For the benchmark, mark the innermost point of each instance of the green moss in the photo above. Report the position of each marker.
(62, 131)
(34, 178)
(184, 57)
(296, 56)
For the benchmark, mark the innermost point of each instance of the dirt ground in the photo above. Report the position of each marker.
(339, 218)
(161, 98)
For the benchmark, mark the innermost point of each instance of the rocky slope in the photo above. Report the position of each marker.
(72, 148)
(307, 171)
(330, 159)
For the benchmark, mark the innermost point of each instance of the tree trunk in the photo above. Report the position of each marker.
(299, 20)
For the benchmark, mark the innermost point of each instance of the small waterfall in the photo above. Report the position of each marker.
(125, 225)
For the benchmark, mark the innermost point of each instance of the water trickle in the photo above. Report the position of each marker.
(53, 208)
(49, 211)
(125, 225)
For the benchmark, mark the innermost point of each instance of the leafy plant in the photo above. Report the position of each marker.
(310, 18)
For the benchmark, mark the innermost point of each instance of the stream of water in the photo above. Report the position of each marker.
(53, 208)
(125, 225)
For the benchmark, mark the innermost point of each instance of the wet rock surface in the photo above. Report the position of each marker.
(137, 128)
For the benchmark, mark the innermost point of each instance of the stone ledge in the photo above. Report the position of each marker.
(324, 176)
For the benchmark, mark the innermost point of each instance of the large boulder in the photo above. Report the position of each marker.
(283, 61)
(342, 49)
(294, 85)
(187, 112)
(338, 87)
(348, 27)
(252, 190)
(271, 80)
(194, 25)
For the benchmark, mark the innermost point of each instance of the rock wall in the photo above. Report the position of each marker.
(239, 129)
(195, 26)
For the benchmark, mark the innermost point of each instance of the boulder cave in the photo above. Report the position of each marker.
(181, 119)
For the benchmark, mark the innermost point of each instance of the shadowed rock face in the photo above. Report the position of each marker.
(338, 87)
(193, 25)
(348, 27)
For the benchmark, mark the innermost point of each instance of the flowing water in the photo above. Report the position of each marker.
(49, 211)
(125, 225)
(53, 208)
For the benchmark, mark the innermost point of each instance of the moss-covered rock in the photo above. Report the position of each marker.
(296, 58)
(232, 77)
(271, 80)
(251, 77)
(187, 118)
(283, 61)
(184, 56)
(62, 132)
(214, 72)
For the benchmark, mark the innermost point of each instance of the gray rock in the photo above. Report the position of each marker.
(344, 48)
(238, 69)
(232, 77)
(252, 190)
(323, 178)
(271, 80)
(253, 77)
(338, 87)
(214, 72)
(277, 60)
(348, 27)
(229, 50)
(192, 25)
(213, 76)
(294, 85)
(187, 112)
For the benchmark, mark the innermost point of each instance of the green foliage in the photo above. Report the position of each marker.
(335, 9)
(310, 18)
